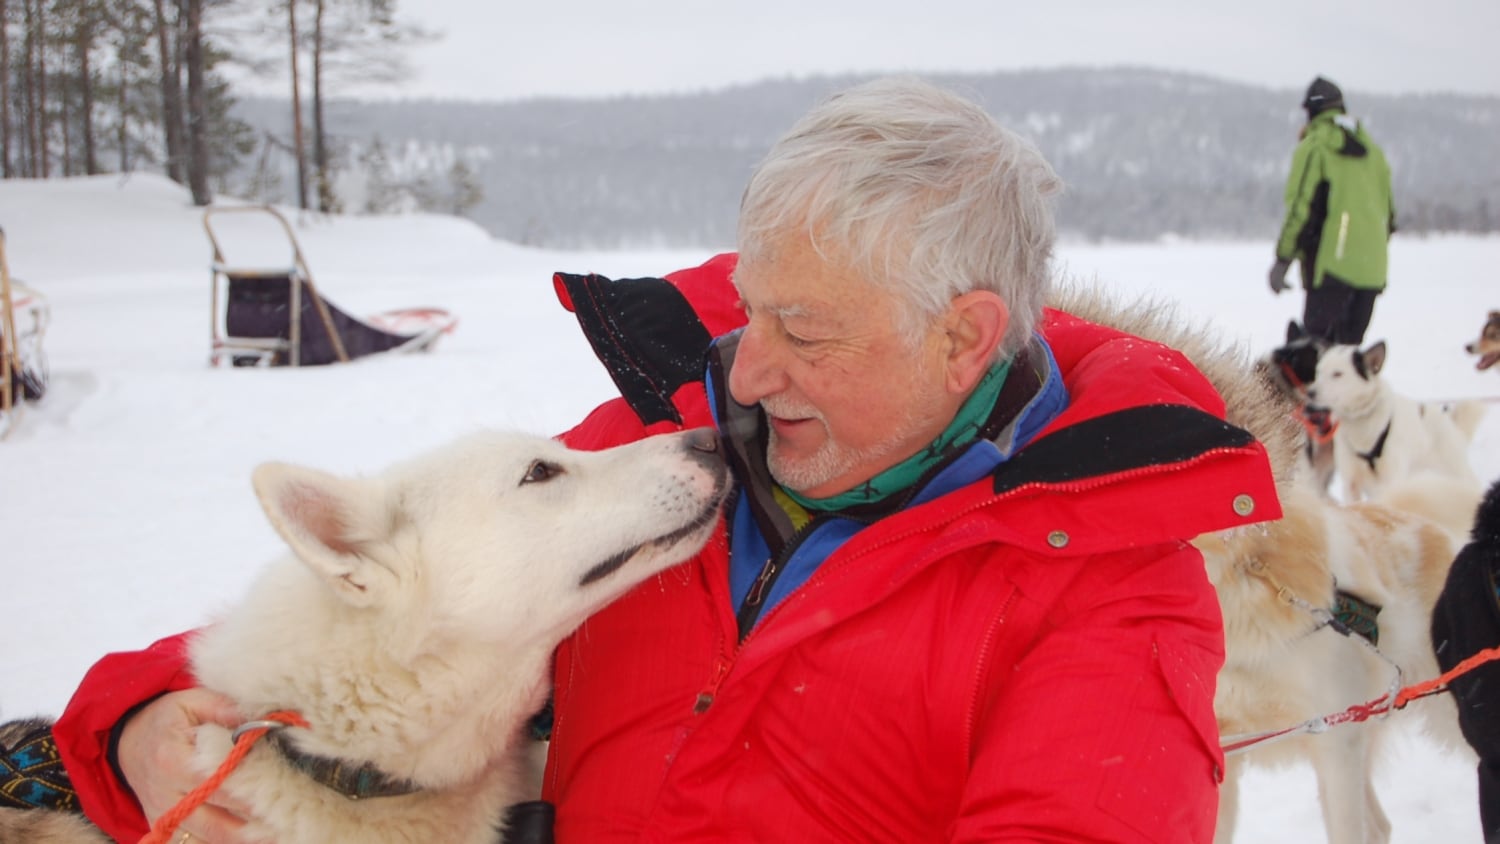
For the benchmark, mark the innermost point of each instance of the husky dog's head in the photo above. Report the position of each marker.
(413, 625)
(1488, 344)
(1348, 378)
(1296, 361)
(500, 537)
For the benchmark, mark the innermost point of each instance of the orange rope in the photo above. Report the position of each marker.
(1364, 711)
(1440, 683)
(166, 825)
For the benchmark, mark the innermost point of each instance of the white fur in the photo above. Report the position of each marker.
(1420, 438)
(414, 623)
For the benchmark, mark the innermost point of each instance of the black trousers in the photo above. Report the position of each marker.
(1336, 311)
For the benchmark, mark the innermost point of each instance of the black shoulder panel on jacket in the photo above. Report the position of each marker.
(1352, 147)
(645, 333)
(1138, 437)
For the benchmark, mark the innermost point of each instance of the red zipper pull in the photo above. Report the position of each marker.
(706, 697)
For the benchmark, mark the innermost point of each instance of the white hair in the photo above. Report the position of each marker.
(918, 190)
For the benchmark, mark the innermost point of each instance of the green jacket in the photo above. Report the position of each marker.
(1339, 207)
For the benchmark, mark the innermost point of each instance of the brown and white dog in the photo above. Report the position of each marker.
(1370, 566)
(1487, 347)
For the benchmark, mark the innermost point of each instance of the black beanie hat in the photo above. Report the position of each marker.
(1322, 95)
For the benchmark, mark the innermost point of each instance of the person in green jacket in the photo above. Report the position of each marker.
(1339, 216)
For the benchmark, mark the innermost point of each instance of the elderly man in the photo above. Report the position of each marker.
(953, 599)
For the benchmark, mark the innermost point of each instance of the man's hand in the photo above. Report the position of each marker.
(1277, 276)
(155, 753)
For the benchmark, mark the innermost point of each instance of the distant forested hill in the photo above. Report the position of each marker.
(1144, 153)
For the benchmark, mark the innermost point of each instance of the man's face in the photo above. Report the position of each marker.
(846, 396)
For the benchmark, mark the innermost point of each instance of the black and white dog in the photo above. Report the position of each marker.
(1291, 367)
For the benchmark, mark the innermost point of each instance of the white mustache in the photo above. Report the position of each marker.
(783, 408)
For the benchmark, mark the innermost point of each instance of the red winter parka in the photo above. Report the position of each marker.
(1029, 658)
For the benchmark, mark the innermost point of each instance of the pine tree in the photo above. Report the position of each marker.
(465, 188)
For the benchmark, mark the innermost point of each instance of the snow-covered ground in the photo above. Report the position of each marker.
(125, 506)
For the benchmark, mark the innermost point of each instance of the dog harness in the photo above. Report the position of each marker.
(1376, 450)
(1356, 615)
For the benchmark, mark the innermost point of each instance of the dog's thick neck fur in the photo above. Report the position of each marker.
(1253, 400)
(452, 685)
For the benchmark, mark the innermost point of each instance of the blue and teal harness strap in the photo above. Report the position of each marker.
(1357, 615)
(31, 772)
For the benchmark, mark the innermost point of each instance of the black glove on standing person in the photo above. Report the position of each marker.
(1277, 276)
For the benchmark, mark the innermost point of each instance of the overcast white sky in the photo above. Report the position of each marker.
(504, 51)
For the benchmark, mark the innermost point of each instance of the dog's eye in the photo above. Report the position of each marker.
(540, 470)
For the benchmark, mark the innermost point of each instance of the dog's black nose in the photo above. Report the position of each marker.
(702, 447)
(703, 439)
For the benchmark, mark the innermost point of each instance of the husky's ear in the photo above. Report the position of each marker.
(1374, 357)
(1294, 331)
(1494, 316)
(326, 520)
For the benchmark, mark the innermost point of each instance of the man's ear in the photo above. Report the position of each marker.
(975, 323)
(327, 521)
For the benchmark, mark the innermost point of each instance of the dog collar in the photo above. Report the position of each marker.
(356, 782)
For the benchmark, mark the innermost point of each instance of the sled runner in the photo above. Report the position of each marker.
(23, 365)
(252, 308)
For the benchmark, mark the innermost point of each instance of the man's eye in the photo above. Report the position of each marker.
(539, 471)
(797, 339)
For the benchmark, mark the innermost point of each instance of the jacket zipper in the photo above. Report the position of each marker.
(705, 698)
(750, 609)
(981, 665)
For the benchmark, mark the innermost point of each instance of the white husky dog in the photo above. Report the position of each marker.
(413, 626)
(1382, 437)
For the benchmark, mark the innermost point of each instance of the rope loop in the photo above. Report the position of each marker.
(166, 825)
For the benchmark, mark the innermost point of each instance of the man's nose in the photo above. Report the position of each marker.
(756, 372)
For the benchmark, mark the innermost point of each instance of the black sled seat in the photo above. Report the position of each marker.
(253, 308)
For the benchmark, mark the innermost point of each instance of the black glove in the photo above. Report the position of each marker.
(1277, 276)
(529, 823)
